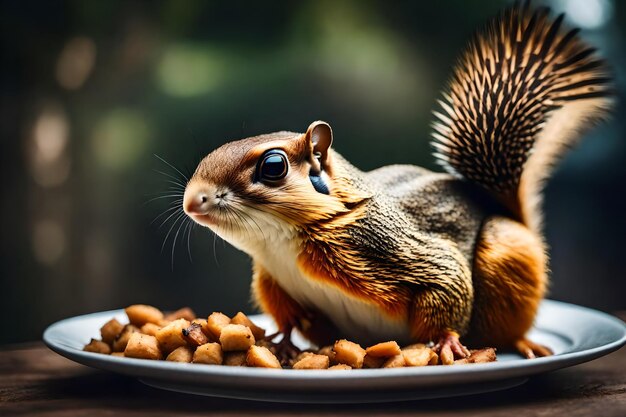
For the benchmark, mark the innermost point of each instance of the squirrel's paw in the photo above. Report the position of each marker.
(450, 348)
(532, 350)
(285, 350)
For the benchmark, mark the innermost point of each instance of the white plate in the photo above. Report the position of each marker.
(575, 334)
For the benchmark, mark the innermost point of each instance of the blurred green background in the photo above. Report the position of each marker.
(92, 90)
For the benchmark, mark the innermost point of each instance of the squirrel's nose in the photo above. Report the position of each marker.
(196, 201)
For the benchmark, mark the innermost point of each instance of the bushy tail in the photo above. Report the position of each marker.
(522, 93)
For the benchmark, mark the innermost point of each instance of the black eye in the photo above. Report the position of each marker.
(273, 166)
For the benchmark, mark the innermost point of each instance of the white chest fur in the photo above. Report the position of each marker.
(357, 320)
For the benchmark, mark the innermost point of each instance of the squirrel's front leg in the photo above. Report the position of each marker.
(288, 313)
(441, 310)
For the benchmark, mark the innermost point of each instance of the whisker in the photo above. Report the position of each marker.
(172, 166)
(189, 228)
(170, 216)
(162, 197)
(176, 238)
(176, 219)
(176, 179)
(174, 207)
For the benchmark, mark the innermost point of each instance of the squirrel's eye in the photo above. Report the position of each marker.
(273, 166)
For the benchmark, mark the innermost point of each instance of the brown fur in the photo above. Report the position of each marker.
(509, 282)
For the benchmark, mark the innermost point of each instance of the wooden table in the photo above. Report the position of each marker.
(36, 381)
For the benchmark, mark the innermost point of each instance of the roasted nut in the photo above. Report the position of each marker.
(142, 346)
(395, 362)
(340, 367)
(119, 344)
(171, 336)
(479, 356)
(97, 346)
(349, 353)
(150, 329)
(235, 358)
(215, 324)
(111, 330)
(182, 313)
(209, 353)
(194, 335)
(180, 354)
(312, 361)
(261, 357)
(241, 318)
(236, 337)
(417, 357)
(372, 362)
(140, 314)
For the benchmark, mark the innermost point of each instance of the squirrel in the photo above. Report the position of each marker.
(403, 253)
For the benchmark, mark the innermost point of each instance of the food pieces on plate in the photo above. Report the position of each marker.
(180, 354)
(242, 319)
(140, 314)
(478, 356)
(150, 328)
(235, 358)
(171, 336)
(194, 335)
(182, 313)
(142, 346)
(97, 346)
(384, 350)
(312, 361)
(209, 353)
(261, 357)
(220, 340)
(111, 330)
(215, 323)
(119, 344)
(349, 353)
(236, 337)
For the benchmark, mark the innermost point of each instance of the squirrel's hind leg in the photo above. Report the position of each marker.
(510, 279)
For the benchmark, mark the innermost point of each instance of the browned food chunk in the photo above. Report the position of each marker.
(415, 346)
(140, 314)
(417, 357)
(384, 350)
(97, 346)
(235, 358)
(215, 324)
(143, 346)
(340, 367)
(236, 337)
(111, 330)
(118, 354)
(328, 351)
(312, 361)
(194, 335)
(150, 329)
(171, 336)
(119, 344)
(180, 354)
(372, 362)
(182, 313)
(479, 356)
(349, 353)
(395, 362)
(205, 329)
(209, 353)
(261, 357)
(241, 318)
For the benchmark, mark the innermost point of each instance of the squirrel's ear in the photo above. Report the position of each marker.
(320, 136)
